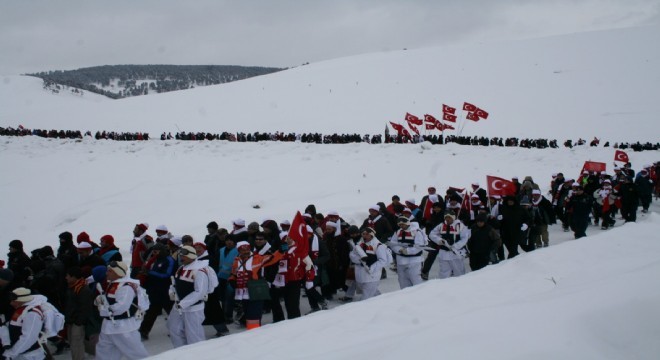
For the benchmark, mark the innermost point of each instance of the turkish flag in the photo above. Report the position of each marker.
(440, 126)
(427, 208)
(449, 117)
(298, 232)
(405, 132)
(413, 128)
(472, 116)
(430, 119)
(621, 156)
(469, 107)
(593, 166)
(481, 113)
(448, 109)
(430, 126)
(413, 119)
(448, 127)
(499, 186)
(397, 127)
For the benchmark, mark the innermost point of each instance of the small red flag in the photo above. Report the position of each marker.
(481, 113)
(448, 109)
(499, 186)
(413, 119)
(298, 232)
(449, 117)
(472, 116)
(413, 128)
(469, 107)
(405, 132)
(621, 156)
(430, 119)
(430, 126)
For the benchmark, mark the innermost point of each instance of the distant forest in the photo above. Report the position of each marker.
(120, 81)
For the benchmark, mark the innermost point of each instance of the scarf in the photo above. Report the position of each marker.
(78, 285)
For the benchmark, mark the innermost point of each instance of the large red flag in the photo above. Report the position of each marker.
(413, 128)
(405, 133)
(397, 127)
(469, 107)
(621, 156)
(472, 116)
(449, 117)
(298, 232)
(413, 119)
(448, 109)
(499, 186)
(430, 119)
(481, 113)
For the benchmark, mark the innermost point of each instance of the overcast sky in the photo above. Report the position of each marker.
(57, 35)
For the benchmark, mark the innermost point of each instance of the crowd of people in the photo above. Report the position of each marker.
(318, 138)
(110, 303)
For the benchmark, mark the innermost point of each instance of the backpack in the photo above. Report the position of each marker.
(140, 303)
(213, 279)
(53, 319)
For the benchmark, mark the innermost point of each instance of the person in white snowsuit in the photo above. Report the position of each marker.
(451, 236)
(21, 334)
(369, 256)
(408, 243)
(189, 290)
(117, 306)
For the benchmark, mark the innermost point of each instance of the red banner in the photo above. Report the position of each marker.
(449, 117)
(430, 119)
(298, 232)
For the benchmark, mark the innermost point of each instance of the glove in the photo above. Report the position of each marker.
(309, 285)
(499, 217)
(99, 301)
(284, 247)
(172, 293)
(524, 227)
(403, 251)
(554, 202)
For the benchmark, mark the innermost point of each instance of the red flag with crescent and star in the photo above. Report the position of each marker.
(448, 109)
(499, 186)
(298, 232)
(397, 127)
(469, 107)
(472, 116)
(413, 119)
(481, 113)
(621, 156)
(430, 119)
(449, 117)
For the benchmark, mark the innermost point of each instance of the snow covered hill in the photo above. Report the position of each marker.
(582, 85)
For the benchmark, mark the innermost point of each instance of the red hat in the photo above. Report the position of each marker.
(202, 245)
(108, 239)
(82, 237)
(143, 226)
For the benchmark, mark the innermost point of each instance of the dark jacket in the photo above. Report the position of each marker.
(78, 305)
(483, 240)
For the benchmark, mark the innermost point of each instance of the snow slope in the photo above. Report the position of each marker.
(579, 85)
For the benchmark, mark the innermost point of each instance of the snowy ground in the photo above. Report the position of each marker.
(602, 305)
